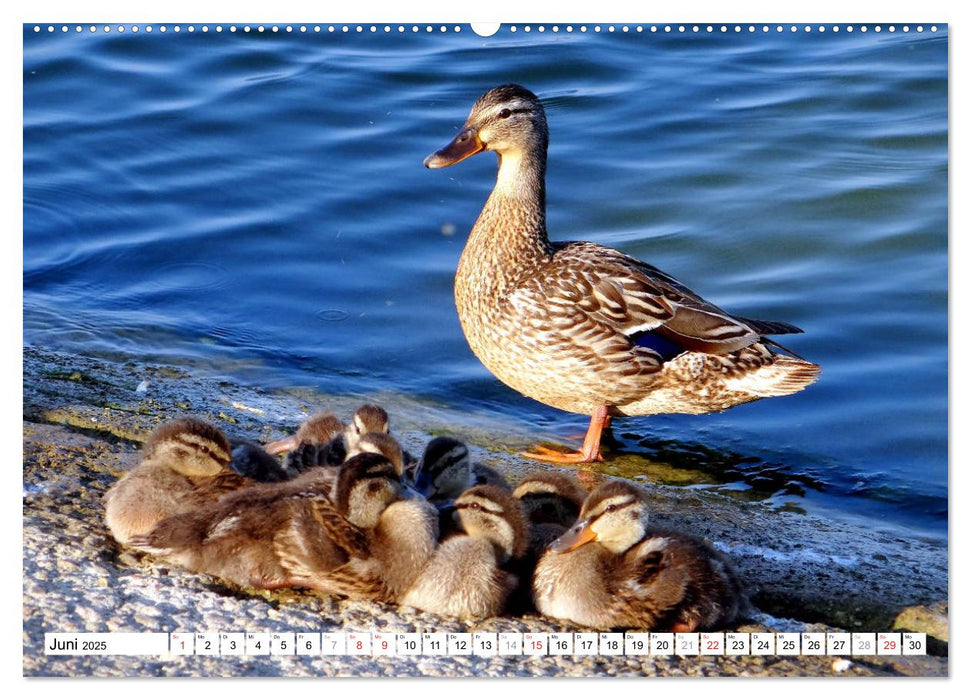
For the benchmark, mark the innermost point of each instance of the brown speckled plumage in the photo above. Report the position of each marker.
(561, 322)
(292, 533)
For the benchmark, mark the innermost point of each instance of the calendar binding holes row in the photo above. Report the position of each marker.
(485, 644)
(512, 29)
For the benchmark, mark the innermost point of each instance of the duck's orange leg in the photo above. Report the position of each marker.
(590, 452)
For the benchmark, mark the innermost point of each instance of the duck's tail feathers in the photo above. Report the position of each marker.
(791, 374)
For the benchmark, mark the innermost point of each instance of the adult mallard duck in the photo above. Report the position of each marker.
(583, 327)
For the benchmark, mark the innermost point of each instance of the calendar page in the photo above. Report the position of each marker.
(543, 349)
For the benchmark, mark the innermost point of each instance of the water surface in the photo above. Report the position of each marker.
(254, 206)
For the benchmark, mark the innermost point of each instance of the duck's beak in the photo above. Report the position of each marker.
(576, 536)
(466, 144)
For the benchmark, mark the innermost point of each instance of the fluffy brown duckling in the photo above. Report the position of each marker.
(612, 570)
(323, 428)
(552, 503)
(468, 577)
(380, 444)
(446, 469)
(185, 464)
(322, 440)
(246, 537)
(400, 538)
(249, 459)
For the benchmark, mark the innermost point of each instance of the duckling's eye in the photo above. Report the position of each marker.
(612, 508)
(505, 114)
(475, 506)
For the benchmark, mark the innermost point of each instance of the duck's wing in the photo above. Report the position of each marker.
(587, 282)
(317, 547)
(312, 523)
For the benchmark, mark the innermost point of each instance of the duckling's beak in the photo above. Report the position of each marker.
(576, 536)
(466, 144)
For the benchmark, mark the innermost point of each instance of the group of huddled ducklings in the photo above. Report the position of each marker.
(347, 512)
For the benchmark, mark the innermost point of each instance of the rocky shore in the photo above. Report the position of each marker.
(84, 420)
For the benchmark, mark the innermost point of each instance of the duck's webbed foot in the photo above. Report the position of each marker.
(546, 454)
(590, 452)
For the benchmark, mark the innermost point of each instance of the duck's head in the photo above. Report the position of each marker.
(369, 418)
(548, 497)
(366, 485)
(508, 119)
(190, 446)
(320, 428)
(615, 514)
(492, 513)
(380, 444)
(445, 469)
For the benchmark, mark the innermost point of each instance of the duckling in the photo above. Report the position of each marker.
(259, 465)
(446, 470)
(400, 538)
(583, 327)
(552, 503)
(246, 537)
(381, 444)
(322, 440)
(313, 445)
(612, 570)
(185, 464)
(467, 577)
(313, 440)
(252, 461)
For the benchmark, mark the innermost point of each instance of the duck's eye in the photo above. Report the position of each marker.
(612, 508)
(505, 114)
(475, 506)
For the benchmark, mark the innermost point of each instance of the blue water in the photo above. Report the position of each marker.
(254, 205)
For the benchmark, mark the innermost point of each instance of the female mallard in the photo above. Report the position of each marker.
(583, 327)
